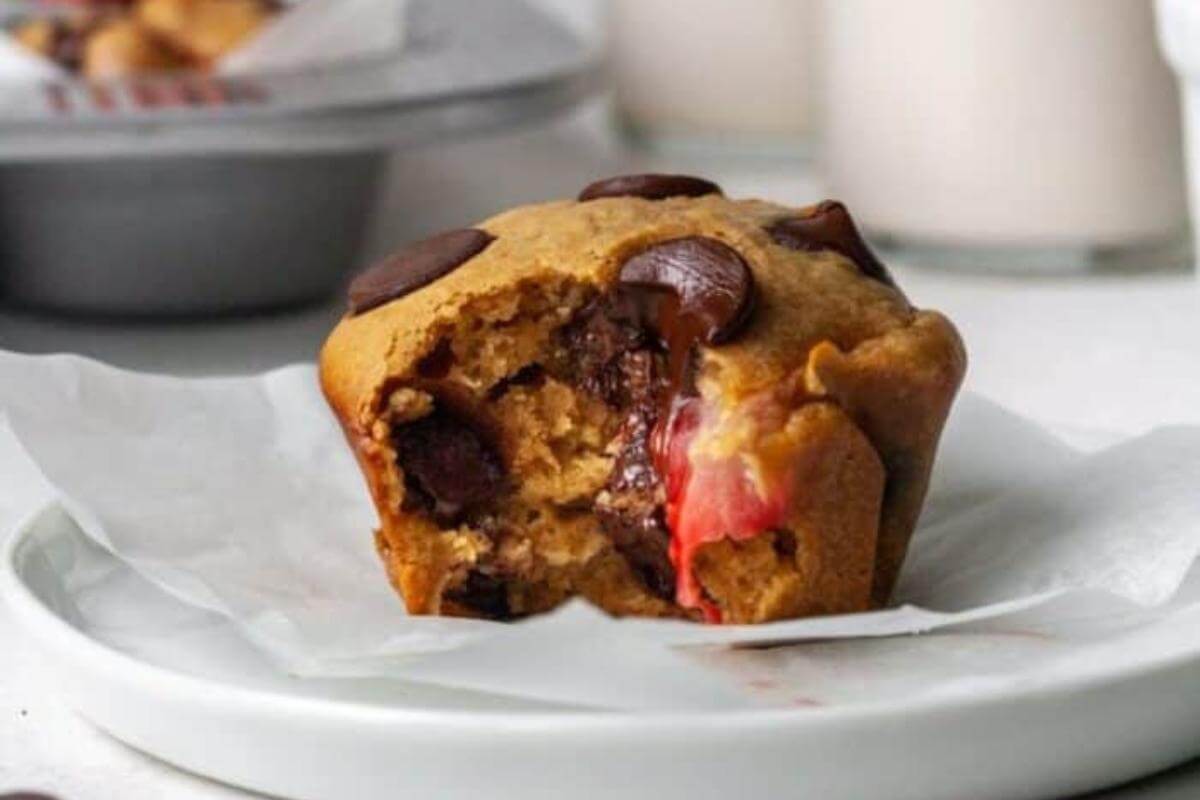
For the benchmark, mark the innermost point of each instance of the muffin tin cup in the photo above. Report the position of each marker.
(185, 236)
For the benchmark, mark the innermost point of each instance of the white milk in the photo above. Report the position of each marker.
(1031, 123)
(1179, 34)
(713, 68)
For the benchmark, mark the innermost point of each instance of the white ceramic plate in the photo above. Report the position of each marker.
(202, 699)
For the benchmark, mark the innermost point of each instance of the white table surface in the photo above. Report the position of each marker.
(1108, 353)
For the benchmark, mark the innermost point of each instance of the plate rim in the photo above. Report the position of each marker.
(47, 627)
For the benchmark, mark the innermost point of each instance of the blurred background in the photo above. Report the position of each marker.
(186, 185)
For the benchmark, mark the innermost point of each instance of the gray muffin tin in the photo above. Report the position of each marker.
(116, 208)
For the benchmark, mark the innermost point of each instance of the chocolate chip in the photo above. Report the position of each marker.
(448, 464)
(415, 266)
(630, 511)
(829, 227)
(649, 186)
(595, 341)
(610, 356)
(633, 467)
(711, 282)
(642, 539)
(484, 594)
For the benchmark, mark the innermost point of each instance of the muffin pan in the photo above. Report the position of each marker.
(167, 196)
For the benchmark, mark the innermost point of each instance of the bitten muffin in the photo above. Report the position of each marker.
(655, 397)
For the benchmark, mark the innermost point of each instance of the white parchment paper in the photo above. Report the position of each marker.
(239, 496)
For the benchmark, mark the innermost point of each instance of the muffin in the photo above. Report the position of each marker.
(204, 30)
(62, 39)
(121, 48)
(654, 397)
(118, 39)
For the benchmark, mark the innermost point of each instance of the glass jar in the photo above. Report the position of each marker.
(1020, 134)
(728, 74)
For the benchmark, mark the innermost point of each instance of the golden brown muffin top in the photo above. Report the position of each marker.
(802, 298)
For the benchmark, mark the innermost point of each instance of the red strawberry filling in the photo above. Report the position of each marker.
(708, 499)
(663, 502)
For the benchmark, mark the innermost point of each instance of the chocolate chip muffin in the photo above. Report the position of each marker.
(663, 400)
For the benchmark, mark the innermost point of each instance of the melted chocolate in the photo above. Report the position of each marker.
(829, 227)
(649, 187)
(415, 266)
(449, 467)
(695, 289)
(632, 514)
(611, 356)
(635, 348)
(689, 291)
(633, 468)
(642, 539)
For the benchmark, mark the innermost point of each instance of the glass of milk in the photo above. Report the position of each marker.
(1022, 134)
(733, 75)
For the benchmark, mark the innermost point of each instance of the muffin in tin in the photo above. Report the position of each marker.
(123, 39)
